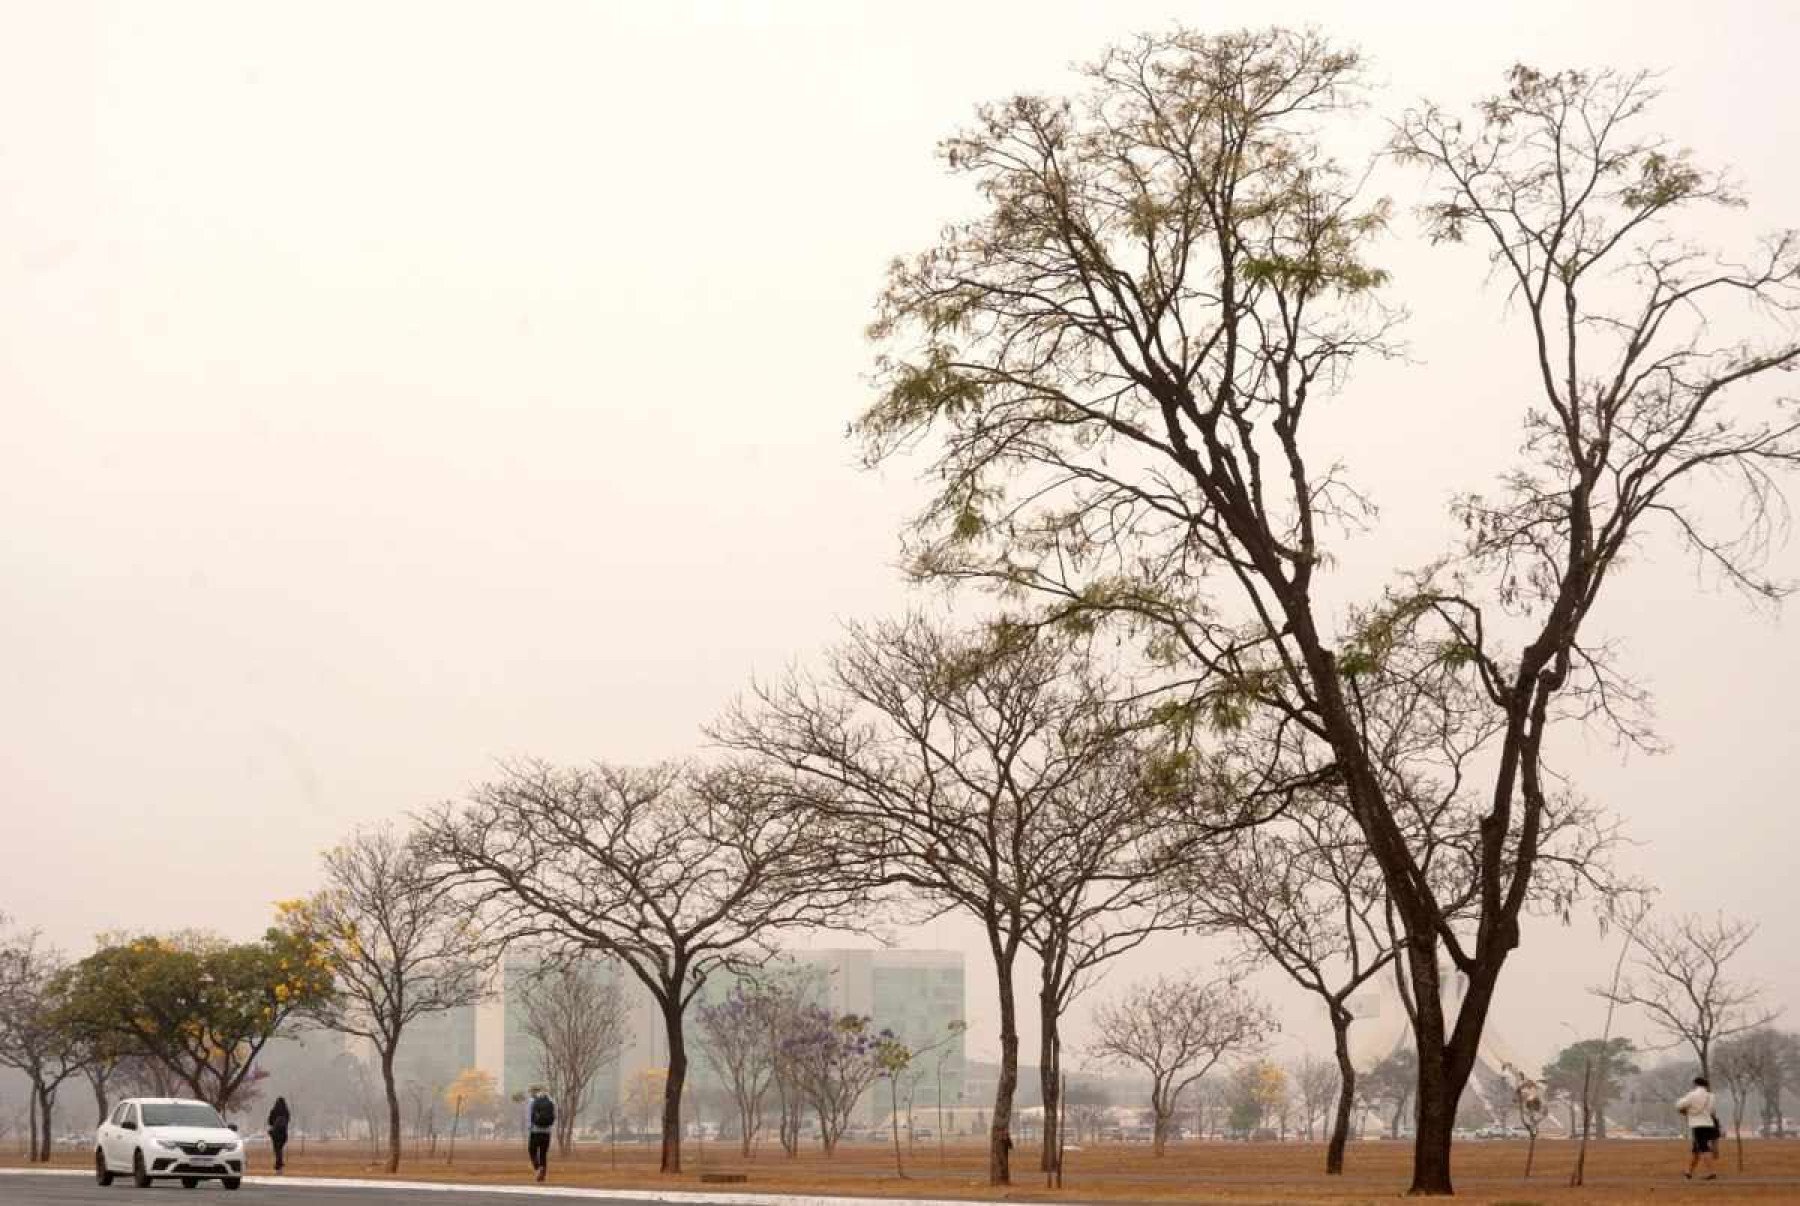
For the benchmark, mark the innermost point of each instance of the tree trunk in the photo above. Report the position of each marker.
(99, 1080)
(1340, 1122)
(1049, 1057)
(393, 1104)
(47, 1108)
(1431, 1144)
(31, 1103)
(671, 1121)
(894, 1118)
(1445, 1061)
(1000, 1129)
(1159, 1134)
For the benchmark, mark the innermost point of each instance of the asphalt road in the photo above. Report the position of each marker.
(81, 1191)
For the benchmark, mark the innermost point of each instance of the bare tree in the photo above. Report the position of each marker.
(1776, 1056)
(1102, 883)
(1118, 356)
(1305, 893)
(1681, 983)
(672, 872)
(34, 1036)
(991, 773)
(1739, 1065)
(1176, 1029)
(1316, 1081)
(577, 1018)
(399, 946)
(745, 1036)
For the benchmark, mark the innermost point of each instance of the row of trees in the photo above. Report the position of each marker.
(1181, 713)
(995, 772)
(188, 1014)
(1118, 366)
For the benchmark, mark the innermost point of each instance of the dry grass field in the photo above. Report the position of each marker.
(1620, 1171)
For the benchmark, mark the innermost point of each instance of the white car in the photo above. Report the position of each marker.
(167, 1138)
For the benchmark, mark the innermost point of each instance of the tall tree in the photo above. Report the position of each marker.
(399, 946)
(1682, 986)
(1775, 1054)
(1392, 1082)
(1316, 1081)
(36, 1036)
(671, 871)
(576, 1017)
(198, 1006)
(1177, 1028)
(1119, 355)
(1587, 1074)
(991, 773)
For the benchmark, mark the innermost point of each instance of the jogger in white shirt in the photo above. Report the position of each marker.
(1701, 1109)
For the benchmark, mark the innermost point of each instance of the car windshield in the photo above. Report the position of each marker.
(180, 1113)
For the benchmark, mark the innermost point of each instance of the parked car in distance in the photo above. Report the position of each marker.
(167, 1139)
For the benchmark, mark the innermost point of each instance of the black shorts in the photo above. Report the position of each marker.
(1705, 1139)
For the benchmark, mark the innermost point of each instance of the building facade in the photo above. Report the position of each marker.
(919, 995)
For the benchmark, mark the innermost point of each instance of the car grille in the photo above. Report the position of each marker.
(202, 1149)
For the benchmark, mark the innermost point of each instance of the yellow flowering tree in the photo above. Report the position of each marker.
(196, 1005)
(396, 943)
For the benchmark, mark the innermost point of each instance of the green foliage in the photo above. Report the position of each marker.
(1609, 1062)
(199, 1006)
(1378, 633)
(918, 392)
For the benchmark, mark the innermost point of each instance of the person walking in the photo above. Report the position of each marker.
(540, 1120)
(278, 1129)
(1701, 1109)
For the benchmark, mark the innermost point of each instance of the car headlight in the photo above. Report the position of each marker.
(230, 1147)
(168, 1145)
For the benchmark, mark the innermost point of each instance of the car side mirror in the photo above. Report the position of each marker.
(129, 1125)
(232, 1127)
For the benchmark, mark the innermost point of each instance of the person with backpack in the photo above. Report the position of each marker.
(278, 1131)
(540, 1121)
(1701, 1109)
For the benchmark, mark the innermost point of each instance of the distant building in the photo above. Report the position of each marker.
(916, 994)
(520, 1060)
(437, 1046)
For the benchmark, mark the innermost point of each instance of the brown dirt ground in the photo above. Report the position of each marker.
(1619, 1172)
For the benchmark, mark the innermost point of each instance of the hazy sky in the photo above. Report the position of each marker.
(386, 389)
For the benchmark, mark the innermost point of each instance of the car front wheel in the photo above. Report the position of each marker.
(190, 1182)
(102, 1174)
(232, 1182)
(140, 1176)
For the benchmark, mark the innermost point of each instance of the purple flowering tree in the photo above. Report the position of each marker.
(835, 1060)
